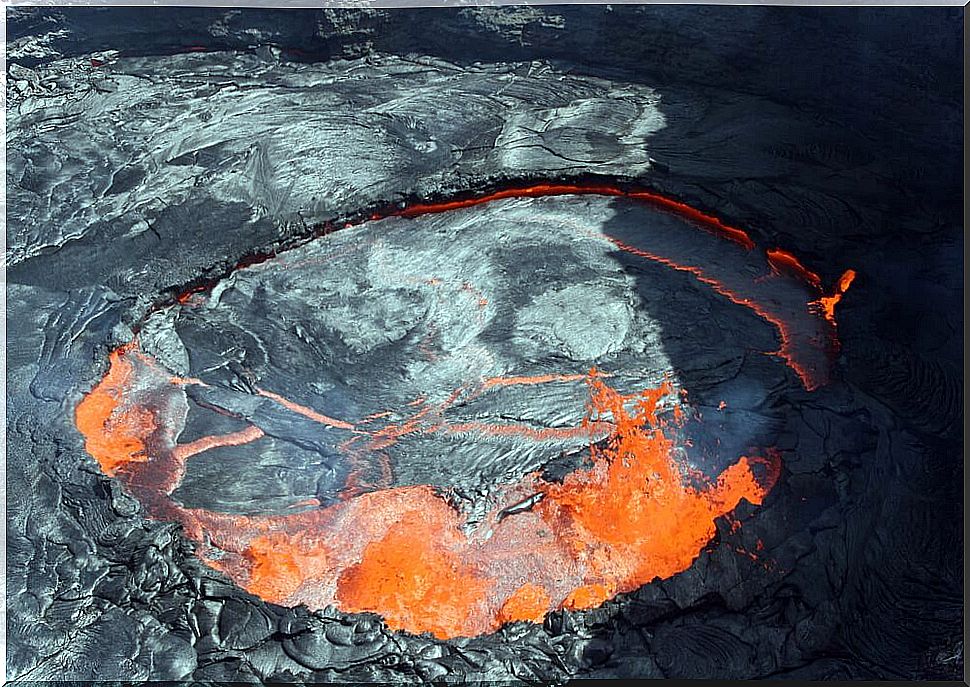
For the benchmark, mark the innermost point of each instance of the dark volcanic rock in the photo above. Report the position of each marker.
(150, 149)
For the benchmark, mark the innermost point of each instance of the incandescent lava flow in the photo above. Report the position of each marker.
(388, 402)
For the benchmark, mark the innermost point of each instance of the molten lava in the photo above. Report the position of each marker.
(403, 552)
(634, 515)
(114, 436)
(827, 303)
(782, 260)
(708, 222)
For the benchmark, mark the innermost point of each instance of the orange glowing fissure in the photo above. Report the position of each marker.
(779, 259)
(403, 552)
(704, 220)
(783, 260)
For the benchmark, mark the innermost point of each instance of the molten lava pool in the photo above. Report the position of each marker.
(464, 414)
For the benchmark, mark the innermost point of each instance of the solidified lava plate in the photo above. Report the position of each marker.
(368, 421)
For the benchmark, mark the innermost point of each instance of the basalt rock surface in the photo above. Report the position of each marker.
(191, 186)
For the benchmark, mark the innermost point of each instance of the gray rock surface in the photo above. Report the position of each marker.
(134, 173)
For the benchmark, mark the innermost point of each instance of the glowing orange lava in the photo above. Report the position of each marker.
(827, 303)
(810, 378)
(402, 552)
(114, 435)
(703, 219)
(530, 380)
(528, 602)
(304, 411)
(783, 260)
(635, 515)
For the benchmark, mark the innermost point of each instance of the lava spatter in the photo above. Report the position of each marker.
(827, 303)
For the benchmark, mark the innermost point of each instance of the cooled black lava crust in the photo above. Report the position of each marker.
(149, 149)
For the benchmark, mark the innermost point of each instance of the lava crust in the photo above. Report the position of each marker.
(439, 351)
(489, 344)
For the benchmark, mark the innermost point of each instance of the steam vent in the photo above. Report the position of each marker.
(484, 344)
